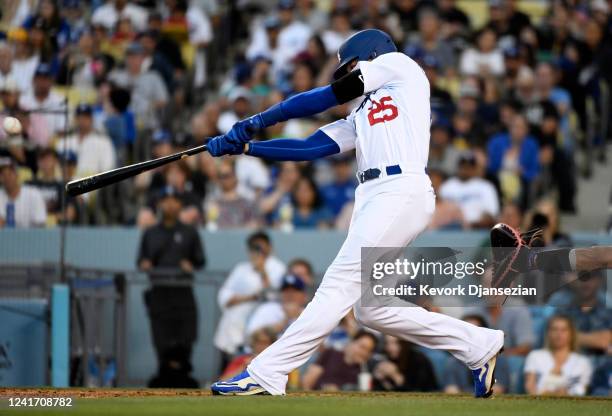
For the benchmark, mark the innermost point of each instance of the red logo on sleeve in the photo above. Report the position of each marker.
(382, 111)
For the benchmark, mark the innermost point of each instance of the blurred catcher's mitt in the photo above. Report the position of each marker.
(511, 253)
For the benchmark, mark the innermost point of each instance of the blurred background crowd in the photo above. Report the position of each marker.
(520, 96)
(520, 104)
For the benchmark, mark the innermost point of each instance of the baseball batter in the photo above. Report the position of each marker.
(389, 128)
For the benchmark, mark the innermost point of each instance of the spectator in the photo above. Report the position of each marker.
(505, 19)
(48, 182)
(247, 284)
(443, 155)
(584, 302)
(429, 40)
(303, 269)
(149, 95)
(512, 214)
(339, 31)
(456, 22)
(6, 63)
(229, 209)
(109, 14)
(240, 100)
(558, 369)
(308, 13)
(94, 151)
(485, 58)
(20, 205)
(448, 214)
(459, 378)
(79, 65)
(277, 199)
(33, 125)
(342, 189)
(403, 368)
(339, 370)
(278, 315)
(42, 99)
(170, 252)
(188, 23)
(259, 340)
(308, 210)
(57, 30)
(475, 196)
(515, 320)
(602, 380)
(442, 106)
(545, 217)
(179, 177)
(24, 61)
(513, 160)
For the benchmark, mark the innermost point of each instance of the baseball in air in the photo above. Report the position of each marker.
(11, 126)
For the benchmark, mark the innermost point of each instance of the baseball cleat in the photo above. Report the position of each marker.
(241, 385)
(484, 378)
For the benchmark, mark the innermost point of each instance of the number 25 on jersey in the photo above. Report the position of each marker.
(382, 111)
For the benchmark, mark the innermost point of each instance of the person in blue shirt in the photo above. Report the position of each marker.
(515, 152)
(342, 190)
(308, 208)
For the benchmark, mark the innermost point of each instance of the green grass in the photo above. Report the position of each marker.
(326, 404)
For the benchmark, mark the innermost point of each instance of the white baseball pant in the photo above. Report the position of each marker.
(389, 212)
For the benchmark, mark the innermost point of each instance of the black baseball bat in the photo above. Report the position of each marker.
(91, 183)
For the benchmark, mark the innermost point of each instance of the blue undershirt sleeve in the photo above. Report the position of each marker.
(315, 146)
(304, 104)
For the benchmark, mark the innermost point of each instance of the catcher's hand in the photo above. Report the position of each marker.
(511, 254)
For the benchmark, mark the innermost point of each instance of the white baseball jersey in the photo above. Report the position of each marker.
(391, 124)
(389, 127)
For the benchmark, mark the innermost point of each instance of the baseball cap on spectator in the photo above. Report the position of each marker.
(83, 109)
(7, 162)
(47, 151)
(600, 6)
(294, 282)
(467, 90)
(286, 4)
(441, 124)
(39, 23)
(9, 85)
(239, 92)
(272, 22)
(242, 72)
(497, 3)
(17, 34)
(430, 61)
(68, 156)
(71, 4)
(161, 136)
(467, 158)
(134, 48)
(43, 70)
(169, 192)
(414, 51)
(511, 52)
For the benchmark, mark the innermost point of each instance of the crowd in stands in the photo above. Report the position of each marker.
(520, 109)
(519, 103)
(560, 347)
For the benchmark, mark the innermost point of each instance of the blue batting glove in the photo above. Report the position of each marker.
(220, 145)
(242, 132)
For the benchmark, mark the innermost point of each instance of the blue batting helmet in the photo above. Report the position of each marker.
(364, 45)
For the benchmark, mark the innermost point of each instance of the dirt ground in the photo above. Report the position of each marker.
(92, 393)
